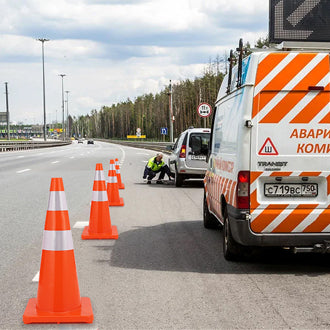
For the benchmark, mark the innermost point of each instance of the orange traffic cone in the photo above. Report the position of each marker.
(112, 187)
(58, 299)
(120, 184)
(99, 220)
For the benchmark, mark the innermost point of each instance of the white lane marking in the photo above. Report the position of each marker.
(143, 161)
(22, 171)
(20, 156)
(81, 224)
(71, 157)
(56, 161)
(36, 278)
(143, 153)
(124, 155)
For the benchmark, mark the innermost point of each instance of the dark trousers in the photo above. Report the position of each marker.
(151, 174)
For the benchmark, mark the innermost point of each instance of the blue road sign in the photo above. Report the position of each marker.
(163, 130)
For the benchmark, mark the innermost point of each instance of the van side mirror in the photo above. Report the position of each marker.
(170, 147)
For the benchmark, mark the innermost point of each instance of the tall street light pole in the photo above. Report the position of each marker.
(42, 40)
(67, 112)
(63, 130)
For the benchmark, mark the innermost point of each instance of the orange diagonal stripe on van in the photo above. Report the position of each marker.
(312, 109)
(281, 173)
(283, 108)
(283, 78)
(289, 72)
(310, 173)
(268, 64)
(253, 200)
(326, 119)
(254, 176)
(321, 222)
(294, 219)
(267, 217)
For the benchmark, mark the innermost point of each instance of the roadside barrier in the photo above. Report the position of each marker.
(112, 187)
(58, 299)
(120, 183)
(99, 221)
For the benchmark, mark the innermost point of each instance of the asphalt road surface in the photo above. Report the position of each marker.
(164, 271)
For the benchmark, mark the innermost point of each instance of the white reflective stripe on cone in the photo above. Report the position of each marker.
(57, 240)
(57, 201)
(118, 171)
(100, 196)
(112, 179)
(99, 176)
(112, 167)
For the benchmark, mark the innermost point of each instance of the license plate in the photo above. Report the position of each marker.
(199, 157)
(291, 189)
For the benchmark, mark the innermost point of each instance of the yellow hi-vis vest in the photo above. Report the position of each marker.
(154, 166)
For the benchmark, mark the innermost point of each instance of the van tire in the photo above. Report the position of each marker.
(232, 250)
(178, 179)
(209, 220)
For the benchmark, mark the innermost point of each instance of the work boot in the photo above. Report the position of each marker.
(149, 182)
(159, 182)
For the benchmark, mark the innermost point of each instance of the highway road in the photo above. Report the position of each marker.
(164, 271)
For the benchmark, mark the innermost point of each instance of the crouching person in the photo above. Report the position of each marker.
(157, 165)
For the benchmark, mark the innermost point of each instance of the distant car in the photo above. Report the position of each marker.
(90, 141)
(188, 157)
(80, 141)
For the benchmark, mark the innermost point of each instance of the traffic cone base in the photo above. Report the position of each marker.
(112, 235)
(117, 203)
(122, 186)
(84, 314)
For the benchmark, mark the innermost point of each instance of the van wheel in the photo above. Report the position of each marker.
(178, 179)
(209, 220)
(232, 250)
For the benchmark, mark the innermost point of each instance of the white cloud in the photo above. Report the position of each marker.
(112, 50)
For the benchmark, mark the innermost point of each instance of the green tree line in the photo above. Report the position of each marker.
(151, 112)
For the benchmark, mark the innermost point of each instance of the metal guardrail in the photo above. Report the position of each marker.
(157, 146)
(24, 145)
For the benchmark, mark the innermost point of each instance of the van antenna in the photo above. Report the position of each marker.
(230, 59)
(240, 49)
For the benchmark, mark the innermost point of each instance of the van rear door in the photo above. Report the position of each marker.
(290, 149)
(197, 149)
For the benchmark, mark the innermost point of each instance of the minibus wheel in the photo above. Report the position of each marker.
(209, 220)
(232, 251)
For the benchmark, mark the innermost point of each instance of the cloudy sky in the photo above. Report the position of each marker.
(111, 50)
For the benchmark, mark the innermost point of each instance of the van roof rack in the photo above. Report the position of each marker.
(303, 46)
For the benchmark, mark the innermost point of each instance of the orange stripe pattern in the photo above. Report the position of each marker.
(283, 83)
(287, 218)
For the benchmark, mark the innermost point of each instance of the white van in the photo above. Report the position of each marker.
(268, 176)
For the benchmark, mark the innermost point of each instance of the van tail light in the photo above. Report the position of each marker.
(183, 152)
(243, 190)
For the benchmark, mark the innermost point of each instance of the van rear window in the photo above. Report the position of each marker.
(198, 143)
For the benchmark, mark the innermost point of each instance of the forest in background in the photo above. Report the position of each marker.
(151, 112)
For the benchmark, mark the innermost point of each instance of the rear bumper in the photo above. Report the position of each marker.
(242, 233)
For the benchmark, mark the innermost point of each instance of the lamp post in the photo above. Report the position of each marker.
(42, 40)
(63, 130)
(67, 113)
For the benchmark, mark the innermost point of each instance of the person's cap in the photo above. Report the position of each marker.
(159, 154)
